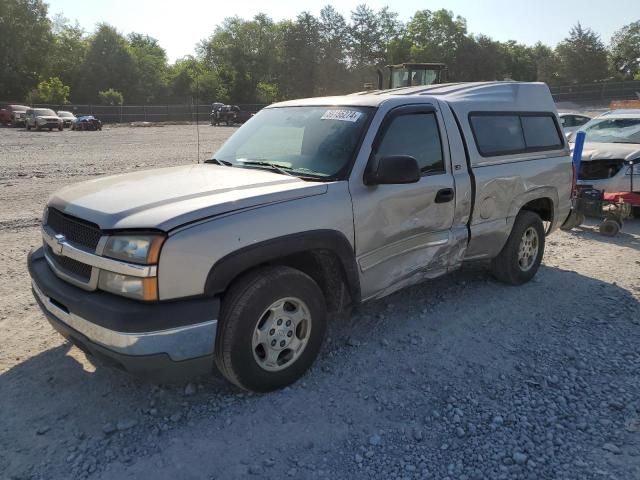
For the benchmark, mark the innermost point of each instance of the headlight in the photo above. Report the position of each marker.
(132, 287)
(143, 249)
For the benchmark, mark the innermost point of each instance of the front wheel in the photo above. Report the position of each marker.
(520, 258)
(271, 328)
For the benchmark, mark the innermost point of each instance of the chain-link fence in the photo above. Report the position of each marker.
(591, 93)
(144, 113)
(601, 92)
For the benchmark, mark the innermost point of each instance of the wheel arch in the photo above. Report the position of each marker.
(324, 255)
(542, 201)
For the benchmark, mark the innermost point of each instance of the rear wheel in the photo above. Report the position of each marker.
(271, 328)
(609, 227)
(520, 258)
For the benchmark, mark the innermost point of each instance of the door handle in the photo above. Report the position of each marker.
(445, 195)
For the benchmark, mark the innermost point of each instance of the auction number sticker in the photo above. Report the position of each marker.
(342, 115)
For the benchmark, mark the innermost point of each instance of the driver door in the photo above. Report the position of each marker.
(402, 232)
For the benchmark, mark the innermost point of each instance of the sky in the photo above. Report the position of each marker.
(179, 26)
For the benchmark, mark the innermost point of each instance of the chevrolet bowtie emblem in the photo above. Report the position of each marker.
(60, 240)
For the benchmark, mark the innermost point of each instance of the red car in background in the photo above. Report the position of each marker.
(14, 115)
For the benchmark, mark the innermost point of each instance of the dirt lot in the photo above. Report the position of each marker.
(459, 378)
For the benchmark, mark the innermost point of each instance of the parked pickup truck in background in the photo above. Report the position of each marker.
(313, 205)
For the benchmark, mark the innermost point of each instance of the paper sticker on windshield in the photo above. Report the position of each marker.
(342, 115)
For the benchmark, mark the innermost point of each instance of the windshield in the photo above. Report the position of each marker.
(44, 112)
(65, 114)
(309, 141)
(613, 130)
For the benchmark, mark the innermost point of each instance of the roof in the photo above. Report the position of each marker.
(534, 96)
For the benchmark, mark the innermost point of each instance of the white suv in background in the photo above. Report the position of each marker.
(40, 118)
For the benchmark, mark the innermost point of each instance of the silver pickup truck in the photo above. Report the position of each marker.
(310, 207)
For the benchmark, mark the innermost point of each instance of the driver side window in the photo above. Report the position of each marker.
(416, 135)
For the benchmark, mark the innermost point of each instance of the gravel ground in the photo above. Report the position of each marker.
(458, 378)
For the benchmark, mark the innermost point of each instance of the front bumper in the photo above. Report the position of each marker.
(161, 340)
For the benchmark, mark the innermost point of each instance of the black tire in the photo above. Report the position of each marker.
(635, 211)
(242, 308)
(60, 129)
(609, 227)
(28, 128)
(506, 266)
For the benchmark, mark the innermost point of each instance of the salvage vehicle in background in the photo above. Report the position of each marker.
(610, 161)
(229, 115)
(86, 122)
(67, 118)
(13, 115)
(311, 207)
(611, 147)
(42, 118)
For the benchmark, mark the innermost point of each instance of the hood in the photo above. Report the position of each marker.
(166, 198)
(610, 151)
(48, 117)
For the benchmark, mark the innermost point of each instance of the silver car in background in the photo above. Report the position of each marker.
(572, 121)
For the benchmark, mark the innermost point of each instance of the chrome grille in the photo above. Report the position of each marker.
(69, 266)
(75, 230)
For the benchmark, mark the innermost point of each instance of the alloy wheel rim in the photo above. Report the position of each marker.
(281, 334)
(528, 249)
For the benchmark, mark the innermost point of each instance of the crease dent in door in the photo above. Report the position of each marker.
(387, 252)
(436, 260)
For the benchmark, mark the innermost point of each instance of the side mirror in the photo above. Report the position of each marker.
(395, 169)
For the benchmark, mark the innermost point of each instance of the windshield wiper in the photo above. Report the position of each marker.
(302, 173)
(219, 162)
(271, 166)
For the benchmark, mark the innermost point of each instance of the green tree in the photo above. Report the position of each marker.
(25, 38)
(51, 91)
(625, 50)
(109, 63)
(519, 61)
(66, 53)
(547, 65)
(243, 53)
(438, 37)
(190, 78)
(367, 38)
(110, 97)
(582, 56)
(150, 61)
(372, 35)
(480, 58)
(332, 56)
(267, 93)
(300, 56)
